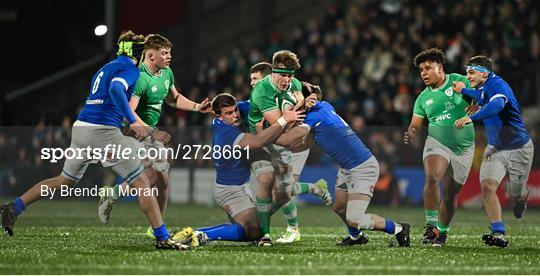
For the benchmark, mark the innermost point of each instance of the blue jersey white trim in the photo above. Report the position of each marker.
(336, 137)
(100, 108)
(505, 130)
(122, 81)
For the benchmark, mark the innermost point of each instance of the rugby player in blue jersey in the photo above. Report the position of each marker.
(510, 149)
(231, 187)
(98, 127)
(357, 176)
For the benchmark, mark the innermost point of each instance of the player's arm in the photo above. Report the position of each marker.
(460, 87)
(416, 124)
(117, 90)
(300, 100)
(177, 100)
(292, 136)
(270, 134)
(494, 106)
(302, 145)
(417, 120)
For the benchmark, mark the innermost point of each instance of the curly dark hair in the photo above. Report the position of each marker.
(432, 54)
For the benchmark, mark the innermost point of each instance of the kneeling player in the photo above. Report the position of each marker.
(231, 188)
(357, 176)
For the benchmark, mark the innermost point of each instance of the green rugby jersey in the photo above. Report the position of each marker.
(152, 90)
(265, 97)
(442, 107)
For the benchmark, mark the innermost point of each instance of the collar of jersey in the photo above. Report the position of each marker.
(490, 76)
(126, 59)
(145, 68)
(443, 85)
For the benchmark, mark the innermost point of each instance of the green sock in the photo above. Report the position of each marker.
(264, 210)
(432, 217)
(116, 191)
(301, 188)
(289, 210)
(443, 228)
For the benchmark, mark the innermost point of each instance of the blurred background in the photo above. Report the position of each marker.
(360, 52)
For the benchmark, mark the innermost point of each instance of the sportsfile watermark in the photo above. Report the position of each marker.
(68, 191)
(119, 152)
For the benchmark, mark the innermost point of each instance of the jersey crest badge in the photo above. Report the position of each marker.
(449, 92)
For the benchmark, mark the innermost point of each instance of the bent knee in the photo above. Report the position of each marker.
(433, 179)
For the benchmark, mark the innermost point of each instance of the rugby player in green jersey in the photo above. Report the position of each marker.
(263, 105)
(448, 152)
(154, 86)
(266, 179)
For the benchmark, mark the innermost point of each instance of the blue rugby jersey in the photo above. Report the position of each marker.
(335, 136)
(100, 108)
(505, 130)
(229, 171)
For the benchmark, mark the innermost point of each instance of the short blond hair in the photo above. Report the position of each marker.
(286, 59)
(156, 42)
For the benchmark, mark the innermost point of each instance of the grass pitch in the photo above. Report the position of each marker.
(66, 237)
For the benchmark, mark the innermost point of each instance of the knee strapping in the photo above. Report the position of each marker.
(161, 166)
(516, 190)
(261, 167)
(285, 180)
(356, 212)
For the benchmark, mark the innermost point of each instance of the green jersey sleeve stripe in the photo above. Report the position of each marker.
(418, 115)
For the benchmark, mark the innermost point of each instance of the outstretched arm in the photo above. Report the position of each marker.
(177, 100)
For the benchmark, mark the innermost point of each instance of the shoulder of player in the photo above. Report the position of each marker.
(167, 71)
(456, 75)
(423, 93)
(261, 88)
(297, 84)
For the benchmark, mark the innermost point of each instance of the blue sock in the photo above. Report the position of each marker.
(354, 232)
(497, 227)
(225, 232)
(19, 206)
(389, 226)
(161, 233)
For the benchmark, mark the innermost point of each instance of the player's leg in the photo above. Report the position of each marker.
(360, 191)
(263, 170)
(73, 170)
(11, 210)
(492, 172)
(436, 161)
(132, 171)
(518, 174)
(237, 201)
(290, 210)
(110, 196)
(454, 179)
(447, 209)
(356, 236)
